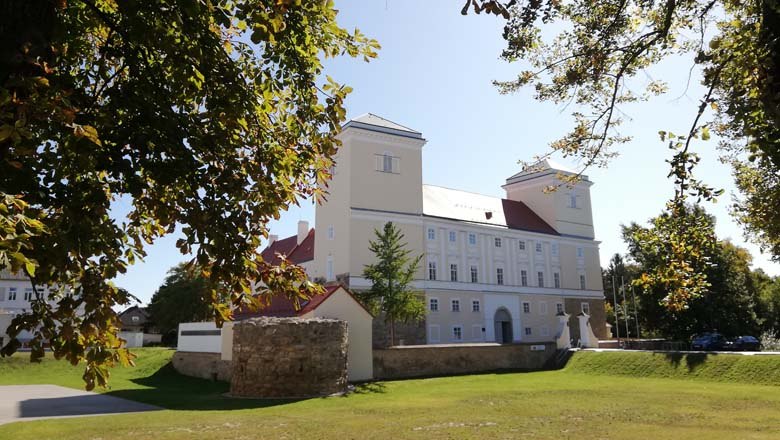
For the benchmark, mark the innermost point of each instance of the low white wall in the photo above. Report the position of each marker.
(134, 339)
(200, 337)
(152, 338)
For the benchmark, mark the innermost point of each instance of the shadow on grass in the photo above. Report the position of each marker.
(168, 389)
(692, 360)
(368, 388)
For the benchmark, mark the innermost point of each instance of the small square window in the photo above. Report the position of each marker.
(135, 318)
(433, 305)
(585, 307)
(456, 305)
(12, 294)
(521, 245)
(499, 276)
(28, 294)
(453, 236)
(526, 307)
(528, 331)
(457, 333)
(475, 305)
(498, 241)
(558, 308)
(431, 234)
(472, 239)
(538, 248)
(474, 274)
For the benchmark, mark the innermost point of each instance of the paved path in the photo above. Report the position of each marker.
(33, 402)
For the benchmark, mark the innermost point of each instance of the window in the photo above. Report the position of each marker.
(580, 252)
(572, 200)
(474, 277)
(540, 279)
(558, 308)
(542, 308)
(135, 318)
(12, 294)
(433, 305)
(329, 268)
(457, 333)
(431, 234)
(538, 248)
(28, 293)
(585, 307)
(554, 249)
(387, 163)
(331, 232)
(498, 241)
(526, 307)
(499, 276)
(475, 305)
(582, 281)
(557, 280)
(432, 271)
(456, 305)
(528, 331)
(521, 245)
(433, 333)
(453, 272)
(453, 236)
(544, 331)
(472, 239)
(523, 278)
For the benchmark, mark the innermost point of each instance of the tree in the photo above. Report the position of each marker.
(204, 114)
(184, 296)
(730, 302)
(596, 59)
(390, 278)
(616, 276)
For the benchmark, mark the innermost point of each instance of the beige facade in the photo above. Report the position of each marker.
(490, 255)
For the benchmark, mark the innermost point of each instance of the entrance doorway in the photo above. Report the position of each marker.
(503, 326)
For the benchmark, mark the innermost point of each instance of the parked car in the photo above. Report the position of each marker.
(745, 343)
(708, 342)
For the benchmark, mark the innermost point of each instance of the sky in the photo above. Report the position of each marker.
(434, 74)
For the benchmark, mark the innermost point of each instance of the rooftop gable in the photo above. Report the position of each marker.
(372, 122)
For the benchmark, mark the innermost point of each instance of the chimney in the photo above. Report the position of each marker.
(272, 238)
(303, 230)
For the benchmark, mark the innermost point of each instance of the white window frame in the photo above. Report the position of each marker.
(521, 245)
(554, 249)
(135, 318)
(580, 252)
(540, 278)
(500, 276)
(433, 304)
(476, 306)
(431, 234)
(455, 305)
(559, 308)
(28, 294)
(585, 308)
(573, 200)
(583, 282)
(453, 236)
(329, 269)
(432, 270)
(460, 330)
(472, 239)
(12, 294)
(497, 241)
(453, 272)
(431, 329)
(331, 232)
(526, 307)
(539, 248)
(474, 272)
(557, 280)
(523, 277)
(528, 331)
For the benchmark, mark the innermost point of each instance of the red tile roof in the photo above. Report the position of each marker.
(519, 216)
(281, 306)
(289, 247)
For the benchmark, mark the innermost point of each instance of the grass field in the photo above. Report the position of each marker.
(585, 400)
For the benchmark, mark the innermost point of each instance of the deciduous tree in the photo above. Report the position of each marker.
(207, 114)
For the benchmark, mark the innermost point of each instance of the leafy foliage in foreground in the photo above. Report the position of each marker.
(596, 60)
(200, 113)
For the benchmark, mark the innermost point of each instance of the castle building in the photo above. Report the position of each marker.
(494, 269)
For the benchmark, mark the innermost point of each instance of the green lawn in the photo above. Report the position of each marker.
(561, 404)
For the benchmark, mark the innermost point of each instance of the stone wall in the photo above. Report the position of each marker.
(598, 317)
(203, 365)
(412, 333)
(443, 360)
(289, 357)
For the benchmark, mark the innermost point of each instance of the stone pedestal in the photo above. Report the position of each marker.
(289, 358)
(587, 338)
(563, 336)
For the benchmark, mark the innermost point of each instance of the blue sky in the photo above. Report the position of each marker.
(434, 74)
